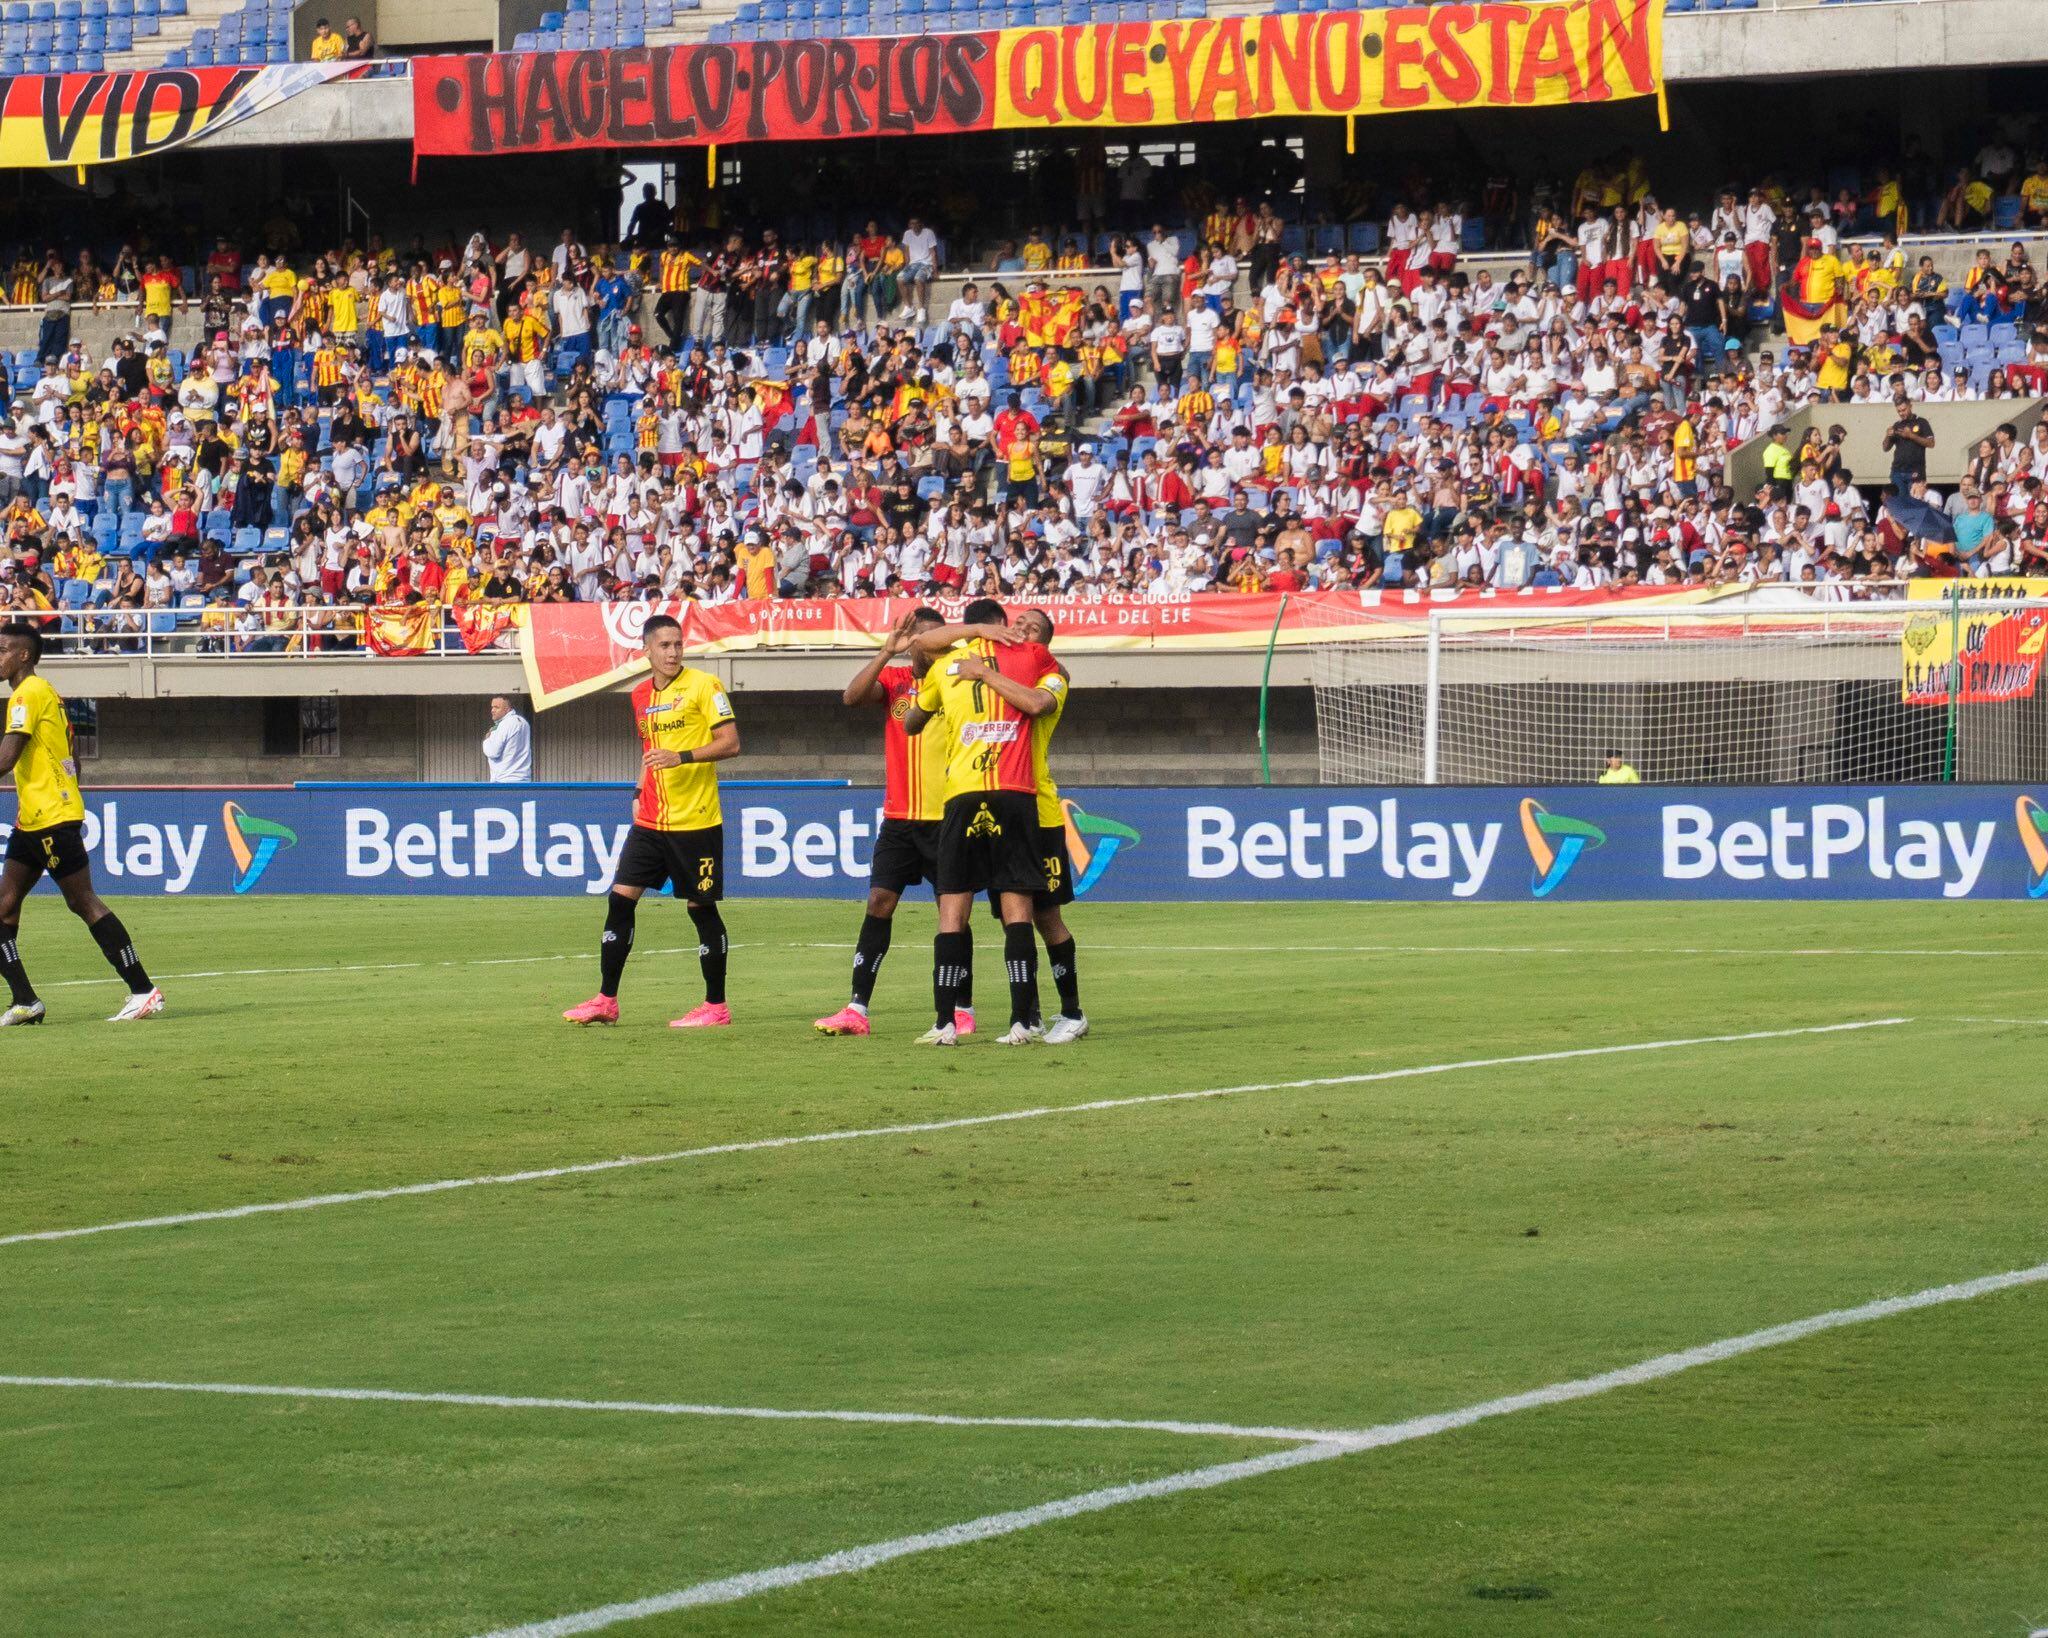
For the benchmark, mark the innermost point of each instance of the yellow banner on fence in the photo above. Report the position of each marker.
(1980, 622)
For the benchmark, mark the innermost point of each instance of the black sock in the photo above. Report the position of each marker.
(1020, 958)
(867, 956)
(963, 992)
(120, 953)
(1060, 957)
(949, 966)
(711, 950)
(11, 967)
(617, 945)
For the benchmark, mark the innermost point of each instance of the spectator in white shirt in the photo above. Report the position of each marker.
(508, 747)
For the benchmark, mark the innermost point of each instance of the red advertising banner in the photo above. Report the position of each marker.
(573, 649)
(1193, 71)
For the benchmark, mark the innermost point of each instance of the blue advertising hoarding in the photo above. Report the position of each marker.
(1128, 843)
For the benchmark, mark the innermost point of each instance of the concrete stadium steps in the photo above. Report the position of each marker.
(173, 34)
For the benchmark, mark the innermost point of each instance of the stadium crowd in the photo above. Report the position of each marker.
(721, 417)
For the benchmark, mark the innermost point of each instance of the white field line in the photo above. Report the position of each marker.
(639, 1407)
(1135, 949)
(914, 1128)
(1525, 949)
(730, 1589)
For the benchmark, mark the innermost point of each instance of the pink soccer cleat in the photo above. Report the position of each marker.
(846, 1021)
(599, 1009)
(705, 1015)
(963, 1020)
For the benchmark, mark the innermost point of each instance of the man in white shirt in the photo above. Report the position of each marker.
(1086, 480)
(508, 747)
(921, 253)
(1202, 327)
(571, 306)
(968, 309)
(1162, 269)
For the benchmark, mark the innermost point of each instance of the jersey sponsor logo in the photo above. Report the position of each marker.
(1555, 843)
(252, 843)
(1092, 842)
(2033, 821)
(997, 733)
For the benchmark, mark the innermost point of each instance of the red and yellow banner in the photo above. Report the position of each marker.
(1977, 644)
(402, 628)
(1194, 71)
(573, 649)
(49, 120)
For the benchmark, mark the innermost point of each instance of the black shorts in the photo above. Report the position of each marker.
(693, 860)
(1059, 873)
(59, 849)
(989, 839)
(906, 853)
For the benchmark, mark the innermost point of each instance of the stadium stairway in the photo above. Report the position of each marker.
(205, 32)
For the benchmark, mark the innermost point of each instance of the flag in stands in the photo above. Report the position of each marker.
(401, 628)
(483, 624)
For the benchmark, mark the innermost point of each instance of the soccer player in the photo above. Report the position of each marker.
(678, 835)
(1035, 626)
(49, 834)
(913, 802)
(988, 693)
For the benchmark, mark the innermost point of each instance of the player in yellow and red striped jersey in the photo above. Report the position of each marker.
(678, 836)
(913, 802)
(1035, 626)
(989, 684)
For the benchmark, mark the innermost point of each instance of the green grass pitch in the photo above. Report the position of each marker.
(1323, 1257)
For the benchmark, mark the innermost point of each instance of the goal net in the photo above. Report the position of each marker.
(1827, 693)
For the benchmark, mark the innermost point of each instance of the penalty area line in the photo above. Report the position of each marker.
(914, 1128)
(731, 1589)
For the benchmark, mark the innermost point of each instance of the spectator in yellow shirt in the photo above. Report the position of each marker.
(327, 44)
(2034, 195)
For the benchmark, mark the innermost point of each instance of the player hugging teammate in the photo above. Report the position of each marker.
(970, 806)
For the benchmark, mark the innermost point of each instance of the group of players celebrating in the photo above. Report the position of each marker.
(970, 806)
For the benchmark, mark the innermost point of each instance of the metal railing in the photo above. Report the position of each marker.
(234, 632)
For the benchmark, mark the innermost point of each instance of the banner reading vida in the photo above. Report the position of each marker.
(97, 119)
(1187, 72)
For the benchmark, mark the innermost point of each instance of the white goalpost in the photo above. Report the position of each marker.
(1815, 693)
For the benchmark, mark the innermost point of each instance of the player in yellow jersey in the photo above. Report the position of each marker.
(1035, 626)
(49, 833)
(913, 802)
(989, 683)
(678, 835)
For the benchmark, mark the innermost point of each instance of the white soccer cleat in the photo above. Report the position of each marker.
(26, 1013)
(939, 1035)
(146, 1005)
(1064, 1029)
(1019, 1035)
